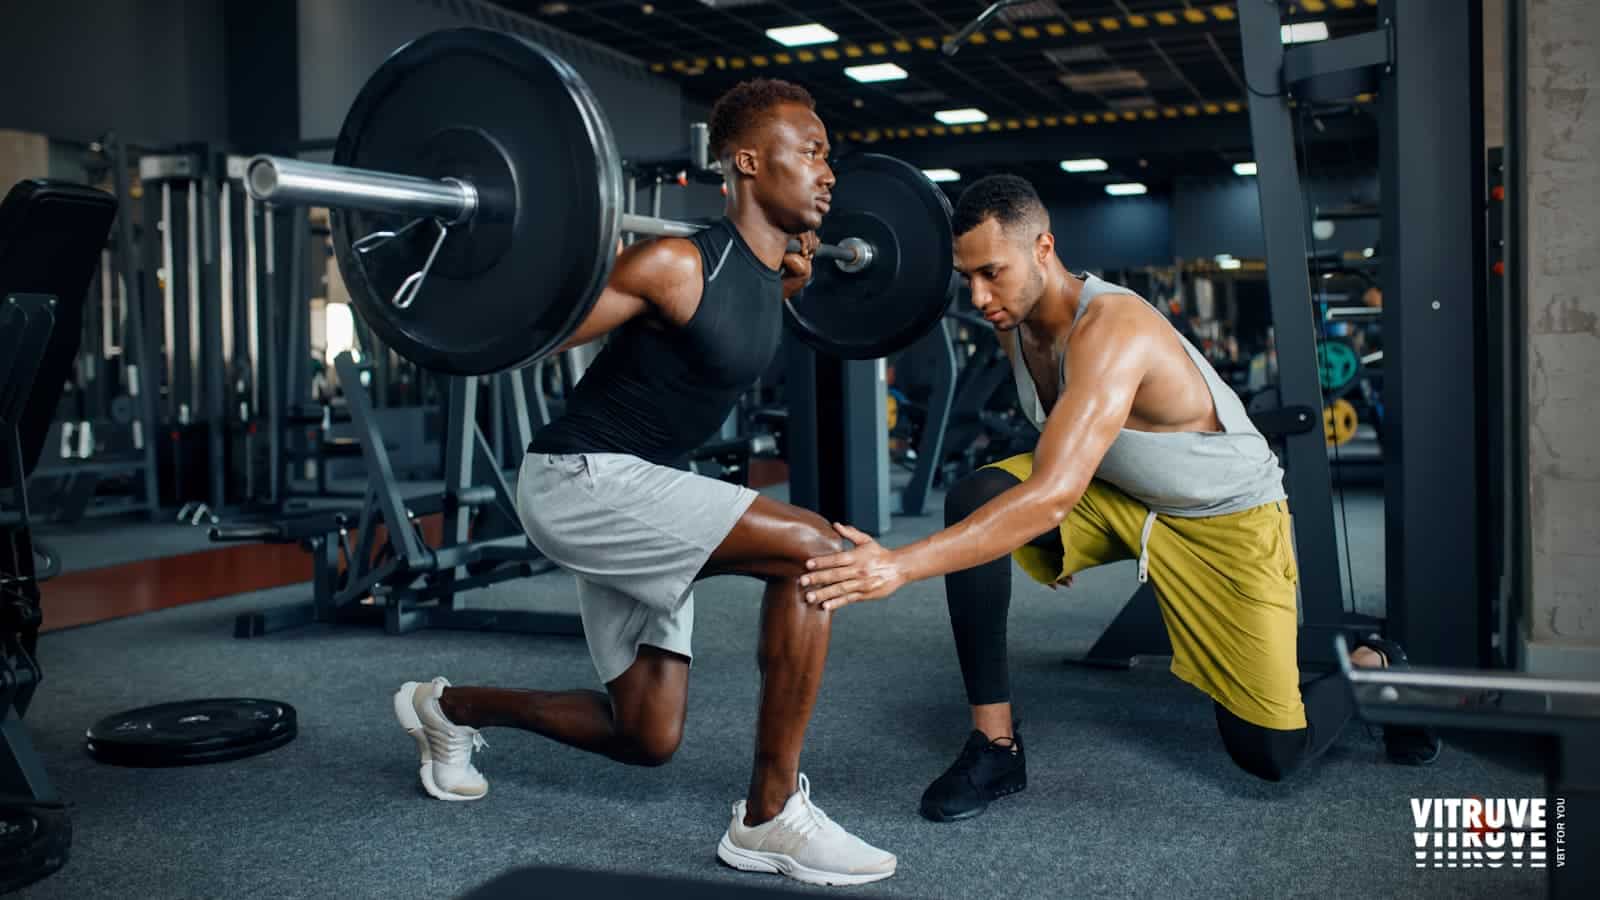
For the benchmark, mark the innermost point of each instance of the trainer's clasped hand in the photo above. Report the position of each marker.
(868, 571)
(797, 266)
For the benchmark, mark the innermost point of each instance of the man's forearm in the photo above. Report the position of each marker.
(995, 529)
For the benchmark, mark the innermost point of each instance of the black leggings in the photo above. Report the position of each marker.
(980, 600)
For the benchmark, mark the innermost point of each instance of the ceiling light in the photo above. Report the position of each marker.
(1223, 257)
(877, 72)
(1229, 264)
(1105, 82)
(966, 116)
(1244, 168)
(801, 35)
(937, 175)
(1126, 189)
(1367, 253)
(554, 9)
(1084, 165)
(1304, 32)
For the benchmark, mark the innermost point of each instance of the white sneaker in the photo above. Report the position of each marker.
(445, 747)
(804, 844)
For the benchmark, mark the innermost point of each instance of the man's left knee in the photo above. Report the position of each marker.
(1270, 754)
(1264, 766)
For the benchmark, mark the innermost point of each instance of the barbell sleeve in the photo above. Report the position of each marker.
(276, 179)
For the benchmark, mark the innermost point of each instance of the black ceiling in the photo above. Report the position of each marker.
(1127, 80)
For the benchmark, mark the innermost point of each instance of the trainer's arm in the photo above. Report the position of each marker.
(663, 274)
(1109, 358)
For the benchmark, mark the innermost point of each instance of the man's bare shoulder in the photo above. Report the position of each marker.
(666, 272)
(1120, 314)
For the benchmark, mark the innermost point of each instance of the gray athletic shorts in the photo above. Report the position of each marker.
(634, 534)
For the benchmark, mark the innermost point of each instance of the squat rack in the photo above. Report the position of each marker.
(1431, 208)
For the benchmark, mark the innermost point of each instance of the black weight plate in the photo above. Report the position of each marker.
(192, 731)
(34, 841)
(897, 299)
(516, 121)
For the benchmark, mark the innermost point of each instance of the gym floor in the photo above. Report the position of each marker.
(1130, 792)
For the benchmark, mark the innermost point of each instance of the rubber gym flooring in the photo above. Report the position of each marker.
(1130, 793)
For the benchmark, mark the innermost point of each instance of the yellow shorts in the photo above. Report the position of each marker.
(1225, 584)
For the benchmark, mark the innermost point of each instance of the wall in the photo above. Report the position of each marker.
(1562, 248)
(1117, 233)
(1201, 219)
(1215, 216)
(1211, 216)
(150, 70)
(343, 41)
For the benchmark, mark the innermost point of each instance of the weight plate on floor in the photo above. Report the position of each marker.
(34, 841)
(1338, 364)
(520, 125)
(192, 731)
(898, 298)
(1339, 422)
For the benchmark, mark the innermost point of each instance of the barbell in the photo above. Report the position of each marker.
(476, 197)
(451, 201)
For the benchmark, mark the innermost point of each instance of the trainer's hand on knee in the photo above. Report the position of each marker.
(869, 571)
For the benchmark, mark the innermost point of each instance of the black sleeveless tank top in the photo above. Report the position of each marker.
(659, 393)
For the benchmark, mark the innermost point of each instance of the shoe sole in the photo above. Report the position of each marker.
(780, 864)
(405, 712)
(975, 812)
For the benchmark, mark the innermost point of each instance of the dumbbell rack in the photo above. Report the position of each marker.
(397, 579)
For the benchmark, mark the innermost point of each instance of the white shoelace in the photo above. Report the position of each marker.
(806, 819)
(460, 744)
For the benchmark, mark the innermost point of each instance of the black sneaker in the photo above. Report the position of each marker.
(1406, 745)
(985, 770)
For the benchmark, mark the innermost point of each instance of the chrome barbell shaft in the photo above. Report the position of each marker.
(851, 254)
(637, 224)
(283, 181)
(275, 179)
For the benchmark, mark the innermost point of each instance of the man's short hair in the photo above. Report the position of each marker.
(746, 106)
(1008, 199)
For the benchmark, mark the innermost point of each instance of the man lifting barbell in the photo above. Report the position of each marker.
(1144, 453)
(476, 238)
(693, 322)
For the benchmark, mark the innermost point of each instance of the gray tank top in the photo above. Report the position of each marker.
(1175, 473)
